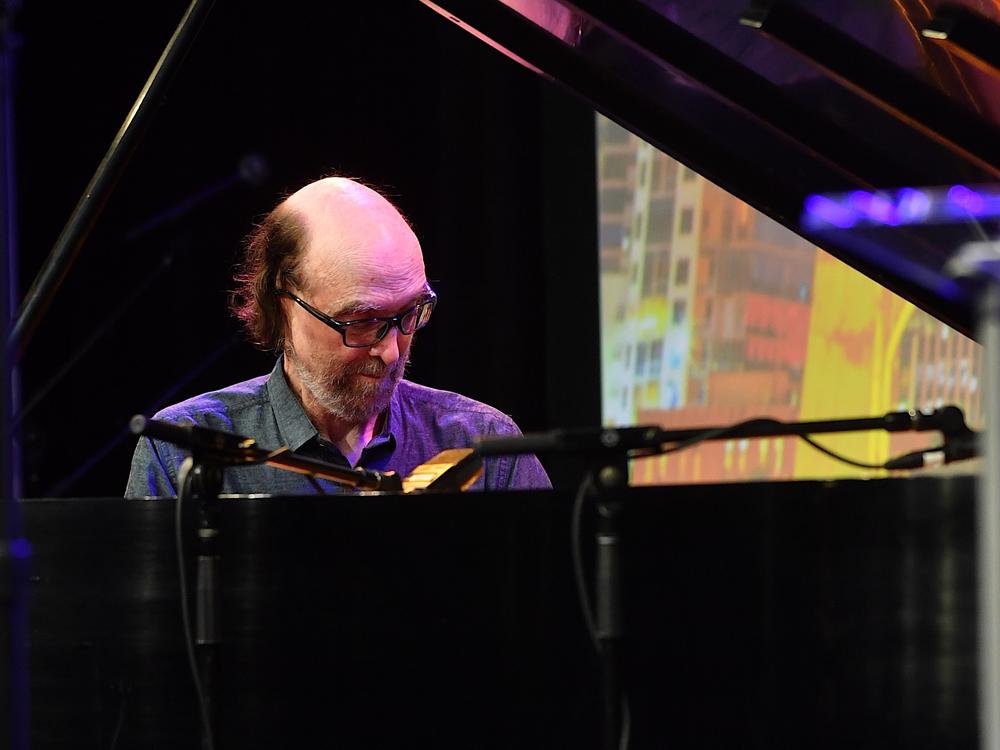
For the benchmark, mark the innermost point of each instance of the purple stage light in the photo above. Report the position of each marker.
(967, 201)
(882, 210)
(860, 208)
(822, 212)
(912, 206)
(874, 207)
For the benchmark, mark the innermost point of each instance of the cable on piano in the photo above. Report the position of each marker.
(584, 598)
(581, 585)
(183, 491)
(722, 432)
(838, 457)
(123, 694)
(626, 724)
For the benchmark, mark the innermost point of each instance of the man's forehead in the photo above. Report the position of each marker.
(365, 278)
(363, 299)
(382, 266)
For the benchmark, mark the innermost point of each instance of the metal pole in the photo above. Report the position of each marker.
(988, 526)
(94, 197)
(15, 552)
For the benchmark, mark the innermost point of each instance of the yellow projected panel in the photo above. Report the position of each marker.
(711, 314)
(854, 334)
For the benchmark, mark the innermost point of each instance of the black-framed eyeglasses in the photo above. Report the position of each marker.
(361, 334)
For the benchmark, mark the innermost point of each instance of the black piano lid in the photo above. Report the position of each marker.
(775, 101)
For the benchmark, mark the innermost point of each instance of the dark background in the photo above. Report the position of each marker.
(493, 165)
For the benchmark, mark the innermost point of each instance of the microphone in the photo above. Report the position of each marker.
(955, 448)
(228, 449)
(224, 446)
(949, 420)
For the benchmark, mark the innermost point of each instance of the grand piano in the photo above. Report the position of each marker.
(820, 614)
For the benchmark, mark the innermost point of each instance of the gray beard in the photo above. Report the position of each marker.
(342, 396)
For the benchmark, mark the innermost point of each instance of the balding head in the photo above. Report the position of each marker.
(354, 240)
(334, 236)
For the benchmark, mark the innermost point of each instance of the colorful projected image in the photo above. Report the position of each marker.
(712, 313)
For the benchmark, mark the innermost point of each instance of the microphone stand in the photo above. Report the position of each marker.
(201, 481)
(610, 482)
(609, 449)
(981, 261)
(635, 442)
(228, 449)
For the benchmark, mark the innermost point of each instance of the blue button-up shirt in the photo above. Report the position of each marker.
(420, 423)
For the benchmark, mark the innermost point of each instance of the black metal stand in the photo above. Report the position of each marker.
(200, 481)
(204, 486)
(15, 550)
(91, 203)
(988, 522)
(609, 619)
(608, 451)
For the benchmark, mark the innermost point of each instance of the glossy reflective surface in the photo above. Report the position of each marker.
(775, 101)
(800, 614)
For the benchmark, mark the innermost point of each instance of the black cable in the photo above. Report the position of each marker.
(721, 432)
(584, 598)
(626, 733)
(123, 693)
(576, 523)
(578, 575)
(838, 457)
(182, 493)
(715, 434)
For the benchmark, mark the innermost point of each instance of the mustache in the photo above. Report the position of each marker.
(373, 367)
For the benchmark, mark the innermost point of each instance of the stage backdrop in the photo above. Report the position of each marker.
(712, 313)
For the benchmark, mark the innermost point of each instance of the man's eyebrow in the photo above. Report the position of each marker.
(355, 308)
(358, 307)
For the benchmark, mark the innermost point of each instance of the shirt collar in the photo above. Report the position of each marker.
(294, 426)
(387, 435)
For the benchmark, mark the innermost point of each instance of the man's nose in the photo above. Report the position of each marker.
(388, 348)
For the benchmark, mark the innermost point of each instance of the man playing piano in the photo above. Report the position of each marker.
(334, 279)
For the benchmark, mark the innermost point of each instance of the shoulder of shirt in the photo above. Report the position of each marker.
(418, 396)
(223, 404)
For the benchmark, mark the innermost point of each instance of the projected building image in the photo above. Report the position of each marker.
(712, 313)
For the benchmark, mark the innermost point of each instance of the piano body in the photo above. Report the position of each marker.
(819, 614)
(798, 614)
